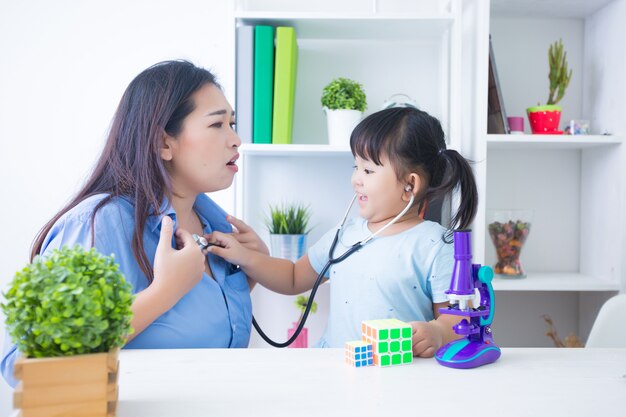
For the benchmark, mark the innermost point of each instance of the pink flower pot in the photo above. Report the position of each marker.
(544, 120)
(302, 341)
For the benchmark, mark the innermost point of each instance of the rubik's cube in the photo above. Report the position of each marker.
(359, 353)
(390, 339)
(383, 342)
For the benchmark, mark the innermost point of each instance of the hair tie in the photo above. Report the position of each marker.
(440, 152)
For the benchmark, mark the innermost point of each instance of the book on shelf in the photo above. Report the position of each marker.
(284, 84)
(496, 115)
(245, 82)
(263, 84)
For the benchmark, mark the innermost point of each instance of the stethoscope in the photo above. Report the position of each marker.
(331, 261)
(204, 243)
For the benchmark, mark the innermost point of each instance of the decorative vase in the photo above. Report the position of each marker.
(80, 385)
(544, 120)
(287, 246)
(509, 230)
(302, 341)
(341, 123)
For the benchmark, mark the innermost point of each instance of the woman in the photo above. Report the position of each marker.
(171, 141)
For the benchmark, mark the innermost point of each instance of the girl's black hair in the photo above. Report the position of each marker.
(414, 141)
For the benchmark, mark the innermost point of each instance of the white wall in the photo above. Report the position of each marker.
(604, 88)
(63, 67)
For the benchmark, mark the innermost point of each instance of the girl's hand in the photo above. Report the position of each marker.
(427, 338)
(247, 236)
(226, 246)
(176, 271)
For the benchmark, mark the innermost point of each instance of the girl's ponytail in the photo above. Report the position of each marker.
(449, 172)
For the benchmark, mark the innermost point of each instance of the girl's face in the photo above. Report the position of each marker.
(379, 193)
(202, 157)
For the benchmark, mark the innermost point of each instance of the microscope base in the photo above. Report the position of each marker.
(464, 354)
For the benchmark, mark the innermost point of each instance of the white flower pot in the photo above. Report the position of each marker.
(341, 123)
(290, 247)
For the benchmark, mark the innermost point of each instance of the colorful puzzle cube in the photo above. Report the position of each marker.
(359, 353)
(390, 339)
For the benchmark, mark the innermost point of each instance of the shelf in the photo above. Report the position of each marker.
(554, 282)
(369, 26)
(293, 150)
(529, 142)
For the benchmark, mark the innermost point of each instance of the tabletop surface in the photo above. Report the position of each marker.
(280, 382)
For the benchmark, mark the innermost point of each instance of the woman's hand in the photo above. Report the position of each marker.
(247, 236)
(427, 338)
(176, 271)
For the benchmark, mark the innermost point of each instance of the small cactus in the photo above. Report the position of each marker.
(559, 75)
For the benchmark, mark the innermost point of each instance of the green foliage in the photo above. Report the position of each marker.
(559, 75)
(288, 220)
(343, 93)
(301, 302)
(69, 303)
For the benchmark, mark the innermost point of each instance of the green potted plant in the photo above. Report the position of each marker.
(344, 102)
(288, 227)
(545, 119)
(302, 341)
(68, 314)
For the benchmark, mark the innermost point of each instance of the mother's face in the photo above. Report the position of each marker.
(201, 158)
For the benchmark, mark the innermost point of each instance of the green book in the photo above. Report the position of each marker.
(263, 84)
(284, 84)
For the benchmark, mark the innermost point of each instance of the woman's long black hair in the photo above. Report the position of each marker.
(156, 102)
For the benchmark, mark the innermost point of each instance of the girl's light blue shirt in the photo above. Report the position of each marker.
(216, 313)
(398, 276)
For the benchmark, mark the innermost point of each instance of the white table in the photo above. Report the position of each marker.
(316, 382)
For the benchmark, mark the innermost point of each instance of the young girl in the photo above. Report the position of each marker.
(403, 272)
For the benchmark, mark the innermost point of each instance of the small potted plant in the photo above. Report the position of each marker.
(545, 119)
(344, 102)
(68, 314)
(288, 227)
(302, 341)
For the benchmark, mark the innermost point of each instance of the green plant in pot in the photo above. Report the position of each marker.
(68, 314)
(545, 119)
(288, 227)
(344, 102)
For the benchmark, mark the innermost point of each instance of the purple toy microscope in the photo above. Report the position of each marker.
(469, 282)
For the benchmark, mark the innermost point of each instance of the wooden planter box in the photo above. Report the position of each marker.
(69, 386)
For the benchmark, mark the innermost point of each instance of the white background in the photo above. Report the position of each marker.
(64, 65)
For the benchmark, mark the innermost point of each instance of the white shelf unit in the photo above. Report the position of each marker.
(424, 53)
(543, 142)
(555, 281)
(571, 186)
(437, 52)
(575, 253)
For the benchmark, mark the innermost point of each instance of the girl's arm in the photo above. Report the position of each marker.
(428, 337)
(279, 275)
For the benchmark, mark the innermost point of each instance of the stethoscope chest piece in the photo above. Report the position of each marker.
(201, 241)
